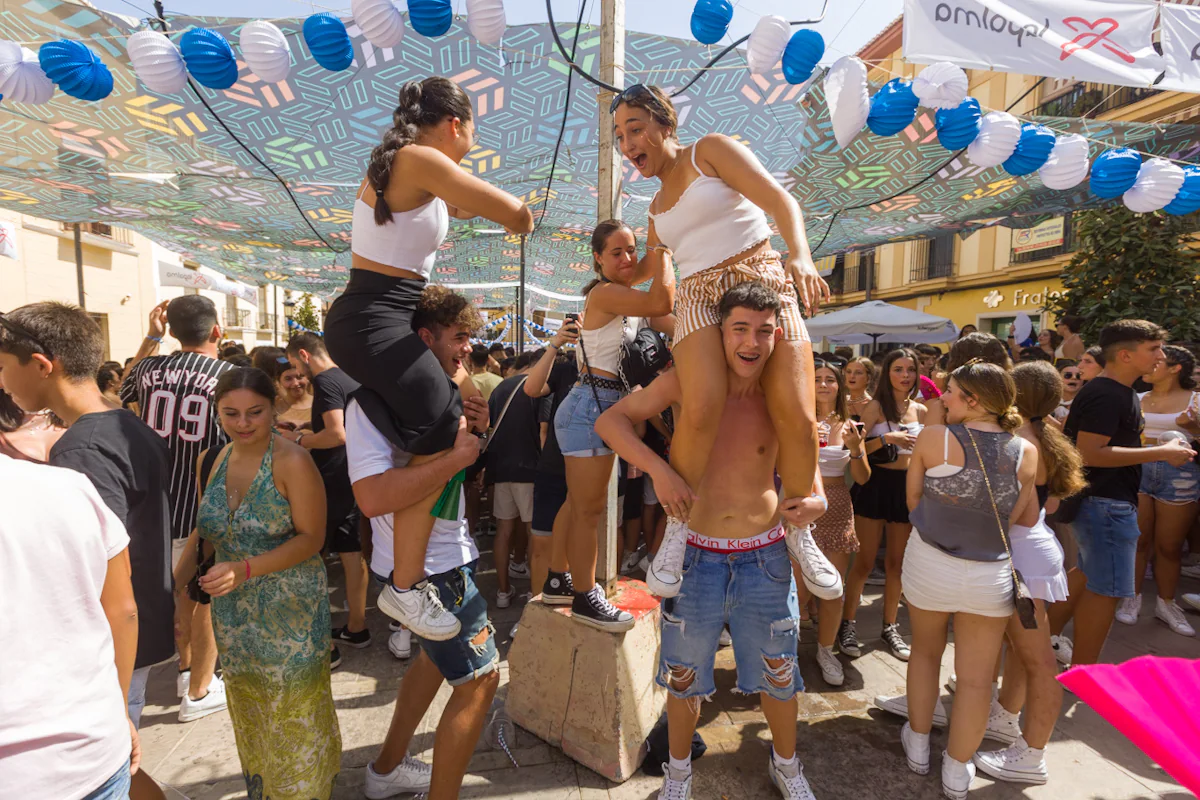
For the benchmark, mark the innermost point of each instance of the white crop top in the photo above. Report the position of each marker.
(1158, 424)
(710, 223)
(410, 241)
(602, 346)
(832, 460)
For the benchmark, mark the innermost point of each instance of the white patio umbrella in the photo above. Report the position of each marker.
(876, 321)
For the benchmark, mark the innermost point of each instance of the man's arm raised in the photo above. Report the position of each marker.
(400, 487)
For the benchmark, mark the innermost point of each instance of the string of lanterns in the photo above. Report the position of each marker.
(296, 326)
(530, 328)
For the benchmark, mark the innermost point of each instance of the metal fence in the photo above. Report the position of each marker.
(266, 322)
(931, 258)
(1092, 100)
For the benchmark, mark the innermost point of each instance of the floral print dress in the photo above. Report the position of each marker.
(273, 634)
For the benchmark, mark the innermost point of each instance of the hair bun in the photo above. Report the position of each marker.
(410, 94)
(1011, 419)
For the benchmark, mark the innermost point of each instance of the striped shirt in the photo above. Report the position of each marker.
(174, 395)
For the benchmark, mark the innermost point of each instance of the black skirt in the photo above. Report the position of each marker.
(883, 496)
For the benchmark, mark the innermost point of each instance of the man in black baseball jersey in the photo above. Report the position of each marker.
(174, 397)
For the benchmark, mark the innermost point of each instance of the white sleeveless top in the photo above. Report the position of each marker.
(602, 346)
(710, 223)
(410, 241)
(1158, 424)
(832, 460)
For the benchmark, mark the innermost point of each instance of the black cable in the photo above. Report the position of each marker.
(562, 130)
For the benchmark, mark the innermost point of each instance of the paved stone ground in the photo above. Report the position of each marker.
(849, 749)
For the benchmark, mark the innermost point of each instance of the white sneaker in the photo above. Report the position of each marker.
(519, 571)
(898, 705)
(630, 562)
(916, 749)
(726, 640)
(1172, 614)
(182, 682)
(1129, 609)
(504, 599)
(211, 703)
(1063, 649)
(421, 610)
(410, 775)
(644, 564)
(789, 779)
(820, 576)
(952, 684)
(831, 668)
(956, 777)
(1020, 763)
(1002, 725)
(394, 626)
(1190, 570)
(1191, 600)
(400, 643)
(665, 576)
(677, 784)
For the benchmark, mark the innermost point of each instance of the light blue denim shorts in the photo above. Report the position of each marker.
(575, 421)
(754, 594)
(1106, 531)
(1168, 484)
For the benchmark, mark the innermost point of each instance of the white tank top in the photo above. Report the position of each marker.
(410, 241)
(1158, 424)
(602, 346)
(710, 223)
(832, 460)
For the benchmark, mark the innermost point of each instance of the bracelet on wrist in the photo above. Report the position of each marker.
(247, 563)
(857, 457)
(156, 339)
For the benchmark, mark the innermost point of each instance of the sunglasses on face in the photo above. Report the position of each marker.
(1071, 376)
(20, 331)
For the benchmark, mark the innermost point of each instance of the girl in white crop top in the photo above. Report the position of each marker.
(711, 210)
(413, 185)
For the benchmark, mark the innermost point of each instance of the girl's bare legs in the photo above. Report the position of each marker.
(897, 540)
(410, 536)
(870, 534)
(1145, 546)
(924, 668)
(830, 610)
(700, 365)
(791, 401)
(1030, 672)
(976, 646)
(587, 487)
(1172, 524)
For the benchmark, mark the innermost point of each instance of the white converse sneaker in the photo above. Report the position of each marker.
(421, 610)
(916, 749)
(677, 784)
(956, 777)
(1063, 650)
(410, 775)
(820, 576)
(898, 705)
(212, 702)
(831, 668)
(182, 682)
(1020, 763)
(1192, 601)
(1172, 614)
(1129, 609)
(1003, 726)
(504, 599)
(789, 779)
(400, 643)
(665, 576)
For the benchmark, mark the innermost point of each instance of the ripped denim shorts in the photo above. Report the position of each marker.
(461, 659)
(754, 594)
(1168, 484)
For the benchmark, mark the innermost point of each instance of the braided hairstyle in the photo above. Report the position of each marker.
(422, 105)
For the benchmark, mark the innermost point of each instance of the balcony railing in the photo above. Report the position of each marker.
(237, 318)
(931, 258)
(1092, 100)
(856, 277)
(266, 322)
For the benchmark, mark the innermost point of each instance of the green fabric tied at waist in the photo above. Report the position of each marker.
(447, 504)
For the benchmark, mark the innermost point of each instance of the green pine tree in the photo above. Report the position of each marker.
(1131, 266)
(305, 314)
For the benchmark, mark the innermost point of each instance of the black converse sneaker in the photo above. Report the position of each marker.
(847, 639)
(592, 608)
(558, 589)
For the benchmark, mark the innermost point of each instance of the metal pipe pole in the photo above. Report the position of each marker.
(79, 265)
(521, 302)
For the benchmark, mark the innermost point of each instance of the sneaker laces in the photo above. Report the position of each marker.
(797, 787)
(416, 766)
(600, 602)
(847, 636)
(891, 635)
(433, 602)
(673, 789)
(674, 543)
(1174, 614)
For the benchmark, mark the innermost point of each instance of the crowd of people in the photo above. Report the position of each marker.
(760, 488)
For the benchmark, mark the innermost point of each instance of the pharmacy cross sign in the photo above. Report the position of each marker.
(993, 299)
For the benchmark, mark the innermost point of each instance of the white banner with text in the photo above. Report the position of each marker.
(172, 275)
(1102, 41)
(1181, 48)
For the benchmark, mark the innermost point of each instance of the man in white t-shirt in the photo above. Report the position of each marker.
(384, 484)
(65, 591)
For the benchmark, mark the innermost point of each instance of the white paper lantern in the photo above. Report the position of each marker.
(1158, 182)
(997, 139)
(266, 50)
(941, 85)
(767, 43)
(486, 21)
(157, 62)
(847, 97)
(22, 79)
(379, 20)
(1068, 164)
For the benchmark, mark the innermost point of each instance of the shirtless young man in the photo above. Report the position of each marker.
(736, 570)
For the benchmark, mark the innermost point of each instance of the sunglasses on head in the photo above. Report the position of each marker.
(818, 363)
(20, 331)
(637, 90)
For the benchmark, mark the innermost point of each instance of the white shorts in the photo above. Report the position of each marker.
(1039, 558)
(177, 548)
(513, 500)
(936, 581)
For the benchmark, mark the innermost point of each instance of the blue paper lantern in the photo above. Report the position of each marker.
(328, 41)
(76, 69)
(430, 17)
(209, 58)
(958, 127)
(893, 108)
(1033, 148)
(1114, 172)
(801, 55)
(710, 20)
(1187, 199)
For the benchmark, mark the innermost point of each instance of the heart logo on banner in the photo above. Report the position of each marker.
(1087, 39)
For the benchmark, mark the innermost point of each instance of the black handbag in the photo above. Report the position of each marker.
(643, 357)
(887, 453)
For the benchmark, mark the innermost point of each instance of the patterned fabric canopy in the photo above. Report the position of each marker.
(168, 168)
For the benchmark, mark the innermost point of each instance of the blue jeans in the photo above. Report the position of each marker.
(1106, 531)
(752, 593)
(137, 694)
(1168, 484)
(458, 659)
(575, 421)
(115, 788)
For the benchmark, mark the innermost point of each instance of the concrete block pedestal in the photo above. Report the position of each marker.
(590, 693)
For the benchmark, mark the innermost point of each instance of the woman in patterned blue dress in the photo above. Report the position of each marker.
(263, 511)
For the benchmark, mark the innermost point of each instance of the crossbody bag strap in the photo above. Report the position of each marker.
(512, 395)
(583, 352)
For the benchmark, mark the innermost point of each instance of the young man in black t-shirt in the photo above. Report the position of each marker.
(327, 442)
(49, 355)
(1105, 423)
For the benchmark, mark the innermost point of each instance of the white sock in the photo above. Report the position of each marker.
(780, 760)
(1003, 712)
(681, 764)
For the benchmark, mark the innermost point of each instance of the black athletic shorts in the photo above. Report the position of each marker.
(549, 494)
(341, 535)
